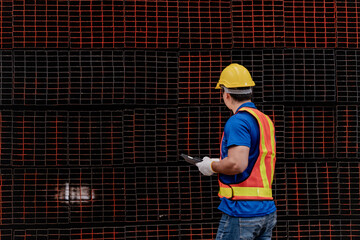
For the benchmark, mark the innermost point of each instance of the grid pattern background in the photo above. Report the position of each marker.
(99, 98)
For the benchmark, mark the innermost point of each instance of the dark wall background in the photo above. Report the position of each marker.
(106, 94)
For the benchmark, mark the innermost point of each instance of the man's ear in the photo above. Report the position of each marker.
(227, 96)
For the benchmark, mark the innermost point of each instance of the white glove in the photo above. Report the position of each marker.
(205, 166)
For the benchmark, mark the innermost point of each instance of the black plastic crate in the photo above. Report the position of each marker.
(280, 230)
(40, 77)
(347, 73)
(107, 202)
(50, 234)
(6, 196)
(62, 78)
(156, 200)
(96, 77)
(96, 24)
(95, 138)
(96, 233)
(172, 231)
(310, 132)
(279, 189)
(323, 229)
(150, 135)
(34, 196)
(159, 232)
(60, 138)
(347, 23)
(310, 24)
(299, 75)
(151, 24)
(173, 194)
(348, 188)
(150, 77)
(40, 24)
(198, 195)
(347, 131)
(204, 230)
(205, 24)
(311, 189)
(64, 196)
(69, 234)
(6, 76)
(258, 24)
(6, 24)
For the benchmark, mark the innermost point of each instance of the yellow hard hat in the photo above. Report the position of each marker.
(235, 76)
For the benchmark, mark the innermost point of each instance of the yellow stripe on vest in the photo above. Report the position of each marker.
(273, 153)
(265, 151)
(246, 192)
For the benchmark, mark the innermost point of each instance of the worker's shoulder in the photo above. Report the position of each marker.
(241, 118)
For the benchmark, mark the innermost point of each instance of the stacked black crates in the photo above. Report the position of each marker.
(99, 98)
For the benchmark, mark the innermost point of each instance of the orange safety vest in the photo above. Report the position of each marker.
(258, 185)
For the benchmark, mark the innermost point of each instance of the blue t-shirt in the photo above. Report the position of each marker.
(242, 129)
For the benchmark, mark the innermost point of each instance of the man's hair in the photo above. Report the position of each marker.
(241, 97)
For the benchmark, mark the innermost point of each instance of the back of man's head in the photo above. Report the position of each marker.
(240, 97)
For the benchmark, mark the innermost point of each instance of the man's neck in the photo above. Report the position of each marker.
(236, 105)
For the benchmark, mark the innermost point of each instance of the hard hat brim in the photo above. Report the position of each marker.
(218, 86)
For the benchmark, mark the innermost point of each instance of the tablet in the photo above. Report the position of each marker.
(191, 160)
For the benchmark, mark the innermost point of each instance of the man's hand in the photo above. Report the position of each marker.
(205, 166)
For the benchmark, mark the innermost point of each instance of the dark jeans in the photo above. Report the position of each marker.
(233, 228)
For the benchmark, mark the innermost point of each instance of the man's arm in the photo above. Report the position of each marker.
(236, 162)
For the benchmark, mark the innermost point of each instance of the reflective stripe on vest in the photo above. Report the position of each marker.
(258, 185)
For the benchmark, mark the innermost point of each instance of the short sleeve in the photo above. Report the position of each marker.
(238, 132)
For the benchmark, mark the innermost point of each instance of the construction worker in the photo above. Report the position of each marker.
(247, 162)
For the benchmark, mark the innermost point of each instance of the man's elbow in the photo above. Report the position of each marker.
(238, 167)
